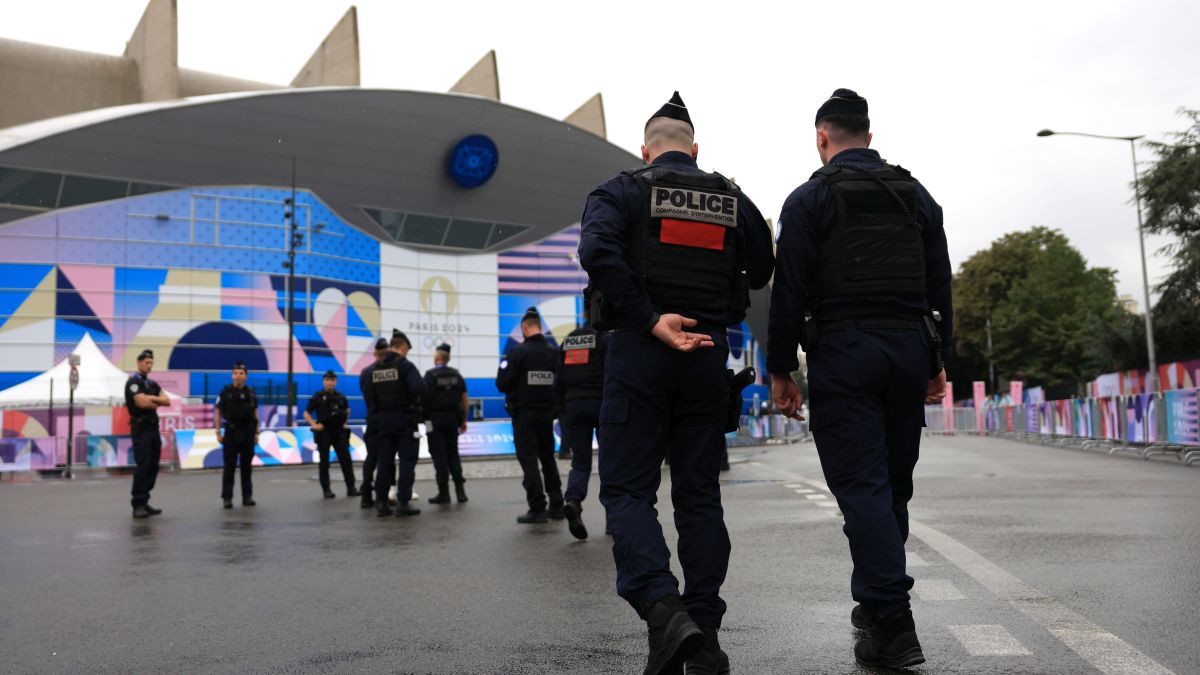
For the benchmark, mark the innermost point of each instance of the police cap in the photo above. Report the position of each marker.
(399, 338)
(531, 314)
(146, 354)
(329, 375)
(239, 365)
(842, 102)
(674, 109)
(381, 344)
(444, 348)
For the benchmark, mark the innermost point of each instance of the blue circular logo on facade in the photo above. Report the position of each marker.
(472, 161)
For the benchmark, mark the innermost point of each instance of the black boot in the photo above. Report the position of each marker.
(352, 491)
(249, 501)
(532, 517)
(329, 493)
(140, 512)
(555, 512)
(383, 510)
(862, 618)
(403, 509)
(460, 493)
(442, 496)
(574, 514)
(674, 637)
(368, 498)
(228, 503)
(153, 511)
(891, 643)
(708, 661)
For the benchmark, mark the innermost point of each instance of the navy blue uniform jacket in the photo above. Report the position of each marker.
(609, 217)
(807, 216)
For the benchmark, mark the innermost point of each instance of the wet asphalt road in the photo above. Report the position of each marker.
(1028, 559)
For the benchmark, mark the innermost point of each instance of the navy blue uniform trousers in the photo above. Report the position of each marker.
(533, 435)
(659, 400)
(370, 439)
(867, 392)
(395, 437)
(443, 449)
(147, 453)
(238, 450)
(583, 418)
(336, 438)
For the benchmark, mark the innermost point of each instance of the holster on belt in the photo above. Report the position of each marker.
(738, 382)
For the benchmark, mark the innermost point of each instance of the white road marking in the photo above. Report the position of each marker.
(792, 485)
(804, 491)
(827, 504)
(937, 590)
(1106, 652)
(914, 560)
(815, 497)
(988, 640)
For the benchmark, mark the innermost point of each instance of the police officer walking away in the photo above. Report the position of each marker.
(395, 386)
(581, 370)
(237, 406)
(446, 410)
(371, 433)
(332, 410)
(672, 251)
(143, 398)
(526, 376)
(863, 281)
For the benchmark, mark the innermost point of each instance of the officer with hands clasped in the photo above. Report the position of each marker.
(863, 282)
(371, 432)
(671, 252)
(526, 376)
(329, 430)
(237, 407)
(581, 381)
(396, 386)
(446, 410)
(143, 398)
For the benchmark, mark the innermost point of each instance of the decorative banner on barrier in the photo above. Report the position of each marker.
(948, 408)
(1110, 417)
(1016, 389)
(198, 448)
(980, 391)
(1081, 418)
(1031, 418)
(1183, 423)
(1046, 418)
(1140, 410)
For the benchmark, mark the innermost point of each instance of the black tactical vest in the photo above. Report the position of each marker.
(687, 246)
(583, 364)
(446, 388)
(535, 386)
(237, 405)
(136, 384)
(875, 247)
(387, 380)
(332, 408)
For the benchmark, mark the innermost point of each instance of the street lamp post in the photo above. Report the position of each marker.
(1152, 377)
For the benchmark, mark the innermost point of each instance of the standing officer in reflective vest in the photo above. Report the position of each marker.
(329, 429)
(143, 398)
(581, 378)
(395, 386)
(371, 433)
(526, 376)
(862, 254)
(237, 407)
(672, 251)
(446, 410)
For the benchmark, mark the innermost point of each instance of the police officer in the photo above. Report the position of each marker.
(329, 426)
(446, 410)
(581, 370)
(143, 398)
(672, 251)
(862, 253)
(237, 406)
(371, 433)
(395, 387)
(527, 376)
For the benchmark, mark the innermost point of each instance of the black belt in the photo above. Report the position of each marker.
(866, 324)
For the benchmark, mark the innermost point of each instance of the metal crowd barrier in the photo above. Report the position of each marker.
(1145, 425)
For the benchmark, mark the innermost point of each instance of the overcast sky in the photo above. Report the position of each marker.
(956, 90)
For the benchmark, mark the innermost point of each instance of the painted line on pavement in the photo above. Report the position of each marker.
(937, 590)
(988, 640)
(815, 497)
(914, 560)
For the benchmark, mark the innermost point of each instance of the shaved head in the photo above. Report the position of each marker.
(664, 134)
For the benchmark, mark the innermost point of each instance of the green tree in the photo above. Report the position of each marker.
(1171, 194)
(1053, 319)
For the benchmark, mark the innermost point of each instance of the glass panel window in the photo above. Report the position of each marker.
(147, 188)
(427, 230)
(29, 188)
(503, 232)
(468, 234)
(82, 190)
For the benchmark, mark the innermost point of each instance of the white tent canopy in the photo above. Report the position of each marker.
(100, 383)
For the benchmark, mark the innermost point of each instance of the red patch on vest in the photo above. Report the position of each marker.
(576, 357)
(691, 233)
